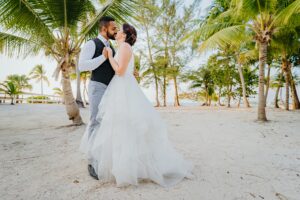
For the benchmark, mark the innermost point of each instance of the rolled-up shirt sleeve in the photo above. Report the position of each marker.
(86, 60)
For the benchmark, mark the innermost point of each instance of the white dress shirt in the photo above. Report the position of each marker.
(86, 60)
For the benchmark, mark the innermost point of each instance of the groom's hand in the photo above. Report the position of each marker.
(109, 52)
(105, 53)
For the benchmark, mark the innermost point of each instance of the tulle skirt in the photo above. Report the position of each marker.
(131, 143)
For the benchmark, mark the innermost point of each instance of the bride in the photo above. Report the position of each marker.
(131, 143)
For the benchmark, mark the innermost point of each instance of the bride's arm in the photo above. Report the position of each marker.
(125, 54)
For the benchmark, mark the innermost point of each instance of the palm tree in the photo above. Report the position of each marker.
(39, 74)
(287, 43)
(84, 76)
(57, 28)
(295, 80)
(250, 19)
(202, 78)
(59, 92)
(21, 82)
(10, 88)
(277, 82)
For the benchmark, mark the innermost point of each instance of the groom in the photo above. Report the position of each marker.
(93, 57)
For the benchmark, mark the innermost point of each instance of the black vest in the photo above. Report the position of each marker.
(104, 72)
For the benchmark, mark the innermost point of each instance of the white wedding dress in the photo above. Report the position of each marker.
(132, 143)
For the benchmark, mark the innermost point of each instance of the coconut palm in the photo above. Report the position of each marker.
(10, 88)
(251, 19)
(57, 28)
(21, 82)
(39, 74)
(277, 82)
(84, 76)
(288, 44)
(295, 80)
(202, 78)
(59, 92)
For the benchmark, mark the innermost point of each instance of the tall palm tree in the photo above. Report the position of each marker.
(57, 28)
(251, 19)
(39, 74)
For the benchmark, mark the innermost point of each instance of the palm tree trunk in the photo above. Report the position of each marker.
(12, 100)
(229, 96)
(285, 67)
(246, 102)
(261, 114)
(17, 101)
(176, 102)
(206, 96)
(219, 97)
(287, 92)
(71, 106)
(276, 97)
(239, 102)
(78, 90)
(228, 100)
(278, 90)
(296, 103)
(267, 84)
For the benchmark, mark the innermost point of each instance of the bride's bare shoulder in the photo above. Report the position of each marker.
(125, 46)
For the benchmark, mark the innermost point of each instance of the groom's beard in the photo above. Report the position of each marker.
(111, 36)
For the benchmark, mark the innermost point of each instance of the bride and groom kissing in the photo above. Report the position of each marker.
(126, 139)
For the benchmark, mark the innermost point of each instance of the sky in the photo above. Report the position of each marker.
(13, 65)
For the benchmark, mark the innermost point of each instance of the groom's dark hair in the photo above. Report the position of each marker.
(104, 21)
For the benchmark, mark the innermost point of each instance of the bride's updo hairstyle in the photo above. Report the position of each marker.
(130, 34)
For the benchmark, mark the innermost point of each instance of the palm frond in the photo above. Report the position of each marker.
(65, 13)
(287, 13)
(121, 10)
(16, 15)
(227, 36)
(11, 44)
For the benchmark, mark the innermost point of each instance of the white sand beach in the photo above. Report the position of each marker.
(234, 156)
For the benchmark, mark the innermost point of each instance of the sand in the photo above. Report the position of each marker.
(234, 156)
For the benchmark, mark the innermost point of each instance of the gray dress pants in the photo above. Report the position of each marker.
(96, 91)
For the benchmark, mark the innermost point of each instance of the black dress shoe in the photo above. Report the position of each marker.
(92, 172)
